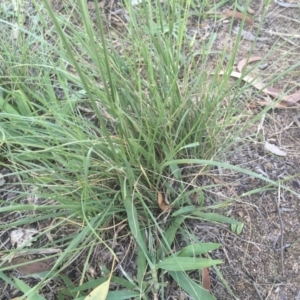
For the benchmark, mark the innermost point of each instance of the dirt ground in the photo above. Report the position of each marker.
(263, 262)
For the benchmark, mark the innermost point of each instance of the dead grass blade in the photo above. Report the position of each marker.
(286, 100)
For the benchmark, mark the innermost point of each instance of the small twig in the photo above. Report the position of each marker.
(281, 230)
(257, 290)
(283, 4)
(254, 283)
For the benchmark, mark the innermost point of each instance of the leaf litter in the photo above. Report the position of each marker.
(285, 100)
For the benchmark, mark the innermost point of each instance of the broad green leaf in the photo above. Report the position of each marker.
(213, 217)
(194, 290)
(22, 103)
(184, 210)
(196, 144)
(85, 286)
(122, 282)
(171, 231)
(100, 292)
(69, 286)
(169, 237)
(238, 228)
(175, 263)
(7, 108)
(196, 249)
(176, 171)
(121, 295)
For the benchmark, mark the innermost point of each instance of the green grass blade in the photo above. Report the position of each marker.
(192, 288)
(186, 263)
(27, 289)
(121, 295)
(141, 266)
(134, 225)
(169, 235)
(196, 249)
(214, 217)
(225, 166)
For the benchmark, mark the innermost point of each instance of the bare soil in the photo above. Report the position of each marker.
(263, 262)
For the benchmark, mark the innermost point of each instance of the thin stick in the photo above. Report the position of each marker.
(281, 229)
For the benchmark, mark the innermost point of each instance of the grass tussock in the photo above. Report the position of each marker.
(95, 122)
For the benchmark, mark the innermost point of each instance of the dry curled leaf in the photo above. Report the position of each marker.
(241, 64)
(290, 99)
(206, 279)
(162, 201)
(238, 15)
(274, 149)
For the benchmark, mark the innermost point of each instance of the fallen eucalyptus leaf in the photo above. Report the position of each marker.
(286, 100)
